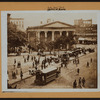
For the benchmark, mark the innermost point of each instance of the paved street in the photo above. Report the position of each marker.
(66, 78)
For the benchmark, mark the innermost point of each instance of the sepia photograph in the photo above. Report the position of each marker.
(51, 50)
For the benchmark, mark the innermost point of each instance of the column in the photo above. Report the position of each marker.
(60, 33)
(67, 33)
(38, 35)
(45, 35)
(52, 35)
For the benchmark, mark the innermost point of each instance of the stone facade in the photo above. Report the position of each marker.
(85, 29)
(83, 23)
(51, 31)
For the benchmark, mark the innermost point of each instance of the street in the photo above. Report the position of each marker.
(67, 75)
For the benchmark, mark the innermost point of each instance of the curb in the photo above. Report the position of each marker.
(33, 75)
(21, 80)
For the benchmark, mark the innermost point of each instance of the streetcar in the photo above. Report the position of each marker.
(47, 75)
(90, 50)
(65, 58)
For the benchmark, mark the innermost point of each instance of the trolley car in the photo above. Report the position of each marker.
(47, 75)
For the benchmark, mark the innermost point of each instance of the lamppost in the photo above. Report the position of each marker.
(60, 48)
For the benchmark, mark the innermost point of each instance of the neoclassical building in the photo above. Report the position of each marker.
(50, 32)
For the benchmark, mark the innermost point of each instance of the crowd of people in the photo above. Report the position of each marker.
(46, 62)
(81, 82)
(36, 64)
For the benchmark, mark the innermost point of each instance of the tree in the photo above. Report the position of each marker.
(15, 37)
(50, 45)
(64, 41)
(34, 42)
(41, 45)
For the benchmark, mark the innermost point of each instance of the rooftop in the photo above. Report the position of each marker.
(56, 24)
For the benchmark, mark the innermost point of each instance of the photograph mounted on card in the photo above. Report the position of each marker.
(50, 51)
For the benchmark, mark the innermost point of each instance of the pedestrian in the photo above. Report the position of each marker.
(83, 82)
(24, 60)
(79, 82)
(48, 61)
(91, 60)
(41, 66)
(75, 84)
(36, 62)
(19, 64)
(42, 61)
(14, 61)
(32, 73)
(73, 61)
(78, 61)
(21, 75)
(87, 64)
(61, 64)
(65, 64)
(78, 70)
(32, 58)
(14, 66)
(28, 58)
(44, 64)
(35, 67)
(33, 64)
(39, 59)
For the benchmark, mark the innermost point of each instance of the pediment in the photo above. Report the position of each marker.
(57, 24)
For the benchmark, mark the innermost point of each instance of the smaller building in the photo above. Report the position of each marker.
(83, 23)
(19, 22)
(87, 40)
(85, 31)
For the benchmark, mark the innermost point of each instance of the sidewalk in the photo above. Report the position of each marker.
(26, 74)
(18, 79)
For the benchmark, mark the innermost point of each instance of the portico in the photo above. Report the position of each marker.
(51, 31)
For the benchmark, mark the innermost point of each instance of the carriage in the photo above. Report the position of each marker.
(47, 75)
(90, 50)
(64, 59)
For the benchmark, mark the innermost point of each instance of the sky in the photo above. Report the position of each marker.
(34, 18)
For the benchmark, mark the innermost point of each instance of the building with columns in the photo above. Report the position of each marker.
(49, 32)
